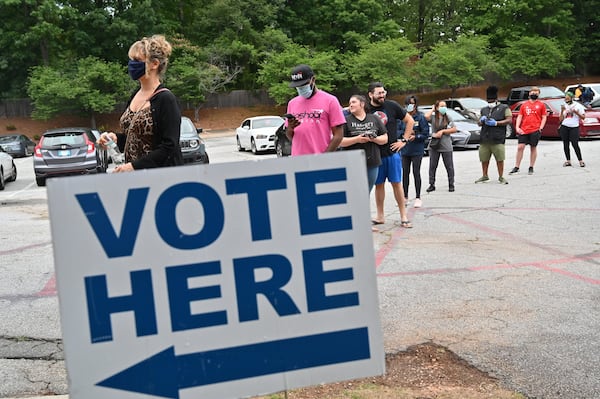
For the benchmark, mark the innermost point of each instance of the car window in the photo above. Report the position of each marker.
(268, 122)
(473, 103)
(246, 123)
(550, 91)
(7, 139)
(71, 139)
(456, 116)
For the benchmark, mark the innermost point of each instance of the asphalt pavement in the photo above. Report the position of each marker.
(506, 276)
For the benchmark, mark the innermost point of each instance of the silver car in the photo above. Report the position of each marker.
(67, 151)
(8, 170)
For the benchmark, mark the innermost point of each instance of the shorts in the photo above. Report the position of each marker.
(531, 138)
(486, 150)
(390, 168)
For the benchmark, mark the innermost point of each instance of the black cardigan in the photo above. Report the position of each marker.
(166, 126)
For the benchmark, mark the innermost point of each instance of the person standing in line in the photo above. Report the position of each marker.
(412, 153)
(571, 113)
(494, 120)
(391, 165)
(440, 144)
(364, 131)
(151, 122)
(316, 118)
(530, 122)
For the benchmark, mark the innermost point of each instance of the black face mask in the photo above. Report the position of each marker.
(533, 96)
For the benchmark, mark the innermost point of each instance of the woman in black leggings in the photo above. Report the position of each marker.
(570, 114)
(412, 152)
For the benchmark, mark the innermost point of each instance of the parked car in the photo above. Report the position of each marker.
(594, 86)
(17, 145)
(468, 134)
(468, 106)
(283, 145)
(68, 151)
(522, 93)
(590, 127)
(8, 170)
(192, 146)
(258, 133)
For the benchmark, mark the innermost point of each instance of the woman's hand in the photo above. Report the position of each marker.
(105, 137)
(128, 167)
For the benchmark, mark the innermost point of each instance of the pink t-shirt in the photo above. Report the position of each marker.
(317, 115)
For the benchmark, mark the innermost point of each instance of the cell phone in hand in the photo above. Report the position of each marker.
(289, 116)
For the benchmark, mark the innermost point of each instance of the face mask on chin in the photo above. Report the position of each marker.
(492, 103)
(305, 91)
(136, 69)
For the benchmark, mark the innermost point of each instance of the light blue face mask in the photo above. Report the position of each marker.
(305, 91)
(410, 108)
(443, 110)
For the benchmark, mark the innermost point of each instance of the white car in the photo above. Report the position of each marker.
(258, 133)
(8, 170)
(594, 86)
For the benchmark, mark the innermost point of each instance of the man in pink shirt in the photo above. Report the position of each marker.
(315, 117)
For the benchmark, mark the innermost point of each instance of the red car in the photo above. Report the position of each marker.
(590, 127)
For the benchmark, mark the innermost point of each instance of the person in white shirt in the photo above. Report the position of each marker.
(570, 114)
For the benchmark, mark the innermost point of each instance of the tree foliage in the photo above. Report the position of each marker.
(252, 44)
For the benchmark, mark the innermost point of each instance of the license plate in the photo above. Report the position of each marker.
(64, 153)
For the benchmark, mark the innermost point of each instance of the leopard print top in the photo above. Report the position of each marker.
(138, 128)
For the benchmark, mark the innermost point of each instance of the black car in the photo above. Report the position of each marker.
(192, 146)
(283, 145)
(17, 145)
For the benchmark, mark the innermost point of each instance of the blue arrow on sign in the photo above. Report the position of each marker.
(165, 373)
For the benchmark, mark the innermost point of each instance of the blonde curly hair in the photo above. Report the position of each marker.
(152, 48)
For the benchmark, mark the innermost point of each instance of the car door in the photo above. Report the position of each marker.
(552, 122)
(244, 133)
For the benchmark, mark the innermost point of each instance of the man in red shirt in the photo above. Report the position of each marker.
(530, 122)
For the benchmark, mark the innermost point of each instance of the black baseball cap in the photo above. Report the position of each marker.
(301, 75)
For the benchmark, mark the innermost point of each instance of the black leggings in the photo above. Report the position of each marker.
(416, 164)
(570, 135)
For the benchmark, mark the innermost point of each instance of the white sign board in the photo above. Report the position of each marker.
(217, 281)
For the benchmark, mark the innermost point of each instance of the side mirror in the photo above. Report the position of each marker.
(198, 130)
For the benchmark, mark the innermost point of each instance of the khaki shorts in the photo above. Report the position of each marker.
(487, 149)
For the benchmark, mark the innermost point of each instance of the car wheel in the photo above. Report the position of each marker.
(239, 145)
(253, 147)
(41, 181)
(2, 182)
(14, 173)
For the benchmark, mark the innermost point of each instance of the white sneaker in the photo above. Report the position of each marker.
(418, 203)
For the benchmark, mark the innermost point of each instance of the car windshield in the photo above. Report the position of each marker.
(188, 128)
(473, 103)
(58, 139)
(8, 139)
(550, 91)
(267, 122)
(456, 116)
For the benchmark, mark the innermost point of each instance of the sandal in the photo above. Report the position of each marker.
(406, 224)
(568, 163)
(582, 164)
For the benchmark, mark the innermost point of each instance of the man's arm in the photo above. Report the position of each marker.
(336, 139)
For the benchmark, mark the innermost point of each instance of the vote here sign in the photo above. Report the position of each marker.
(216, 281)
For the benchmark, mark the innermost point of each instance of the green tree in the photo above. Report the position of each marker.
(389, 61)
(100, 86)
(275, 71)
(455, 64)
(534, 56)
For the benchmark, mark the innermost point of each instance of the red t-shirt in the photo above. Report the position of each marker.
(531, 116)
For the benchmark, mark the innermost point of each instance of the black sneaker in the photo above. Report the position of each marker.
(530, 170)
(513, 171)
(451, 189)
(430, 188)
